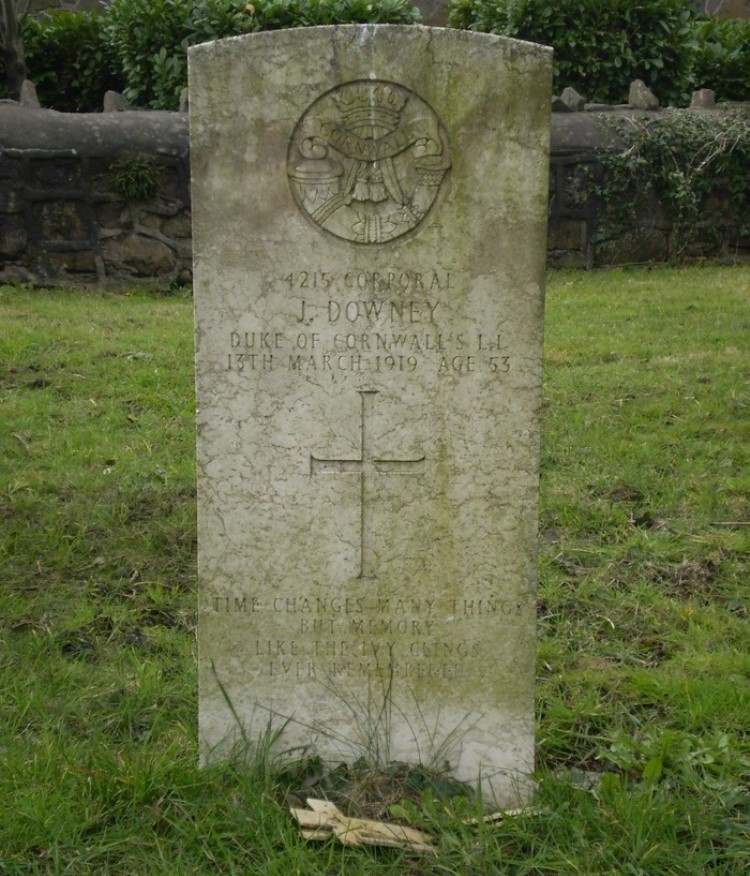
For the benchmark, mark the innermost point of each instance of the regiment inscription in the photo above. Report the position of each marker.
(369, 208)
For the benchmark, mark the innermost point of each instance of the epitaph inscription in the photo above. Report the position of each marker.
(367, 160)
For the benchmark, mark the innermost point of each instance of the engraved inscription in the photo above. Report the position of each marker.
(366, 467)
(370, 322)
(372, 282)
(372, 353)
(364, 636)
(367, 160)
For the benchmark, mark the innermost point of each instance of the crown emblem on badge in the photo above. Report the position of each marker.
(375, 106)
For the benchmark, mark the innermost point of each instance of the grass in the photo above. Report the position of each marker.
(644, 652)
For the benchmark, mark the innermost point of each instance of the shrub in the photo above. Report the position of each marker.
(722, 59)
(601, 46)
(274, 14)
(151, 37)
(69, 60)
(139, 47)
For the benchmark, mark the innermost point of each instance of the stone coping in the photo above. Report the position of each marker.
(92, 134)
(167, 133)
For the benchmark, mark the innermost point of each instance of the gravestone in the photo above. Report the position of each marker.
(369, 246)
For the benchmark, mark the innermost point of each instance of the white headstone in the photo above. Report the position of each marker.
(369, 236)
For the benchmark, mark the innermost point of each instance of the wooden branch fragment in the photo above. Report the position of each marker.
(321, 834)
(311, 819)
(324, 820)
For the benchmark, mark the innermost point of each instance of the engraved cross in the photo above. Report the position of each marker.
(366, 466)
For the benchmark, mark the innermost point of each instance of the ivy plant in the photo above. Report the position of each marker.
(685, 168)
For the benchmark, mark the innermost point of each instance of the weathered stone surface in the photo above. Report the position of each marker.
(11, 199)
(568, 235)
(28, 96)
(109, 215)
(704, 98)
(93, 134)
(114, 102)
(649, 245)
(573, 100)
(13, 236)
(179, 227)
(641, 96)
(63, 220)
(14, 274)
(49, 156)
(568, 258)
(369, 209)
(139, 255)
(577, 132)
(56, 172)
(81, 261)
(63, 174)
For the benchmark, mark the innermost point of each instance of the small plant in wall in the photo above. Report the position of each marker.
(136, 177)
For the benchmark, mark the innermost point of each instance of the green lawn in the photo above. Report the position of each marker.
(644, 637)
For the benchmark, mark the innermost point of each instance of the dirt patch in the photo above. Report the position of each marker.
(688, 580)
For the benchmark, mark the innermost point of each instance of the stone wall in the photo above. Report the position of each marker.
(62, 218)
(64, 221)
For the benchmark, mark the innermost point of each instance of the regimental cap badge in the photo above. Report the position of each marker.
(368, 160)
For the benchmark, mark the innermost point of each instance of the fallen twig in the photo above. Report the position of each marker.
(324, 820)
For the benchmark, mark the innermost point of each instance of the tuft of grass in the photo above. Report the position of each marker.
(644, 640)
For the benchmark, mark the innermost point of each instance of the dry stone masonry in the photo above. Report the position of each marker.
(369, 210)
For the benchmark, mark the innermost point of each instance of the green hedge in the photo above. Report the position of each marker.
(70, 61)
(722, 60)
(601, 46)
(151, 37)
(139, 47)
